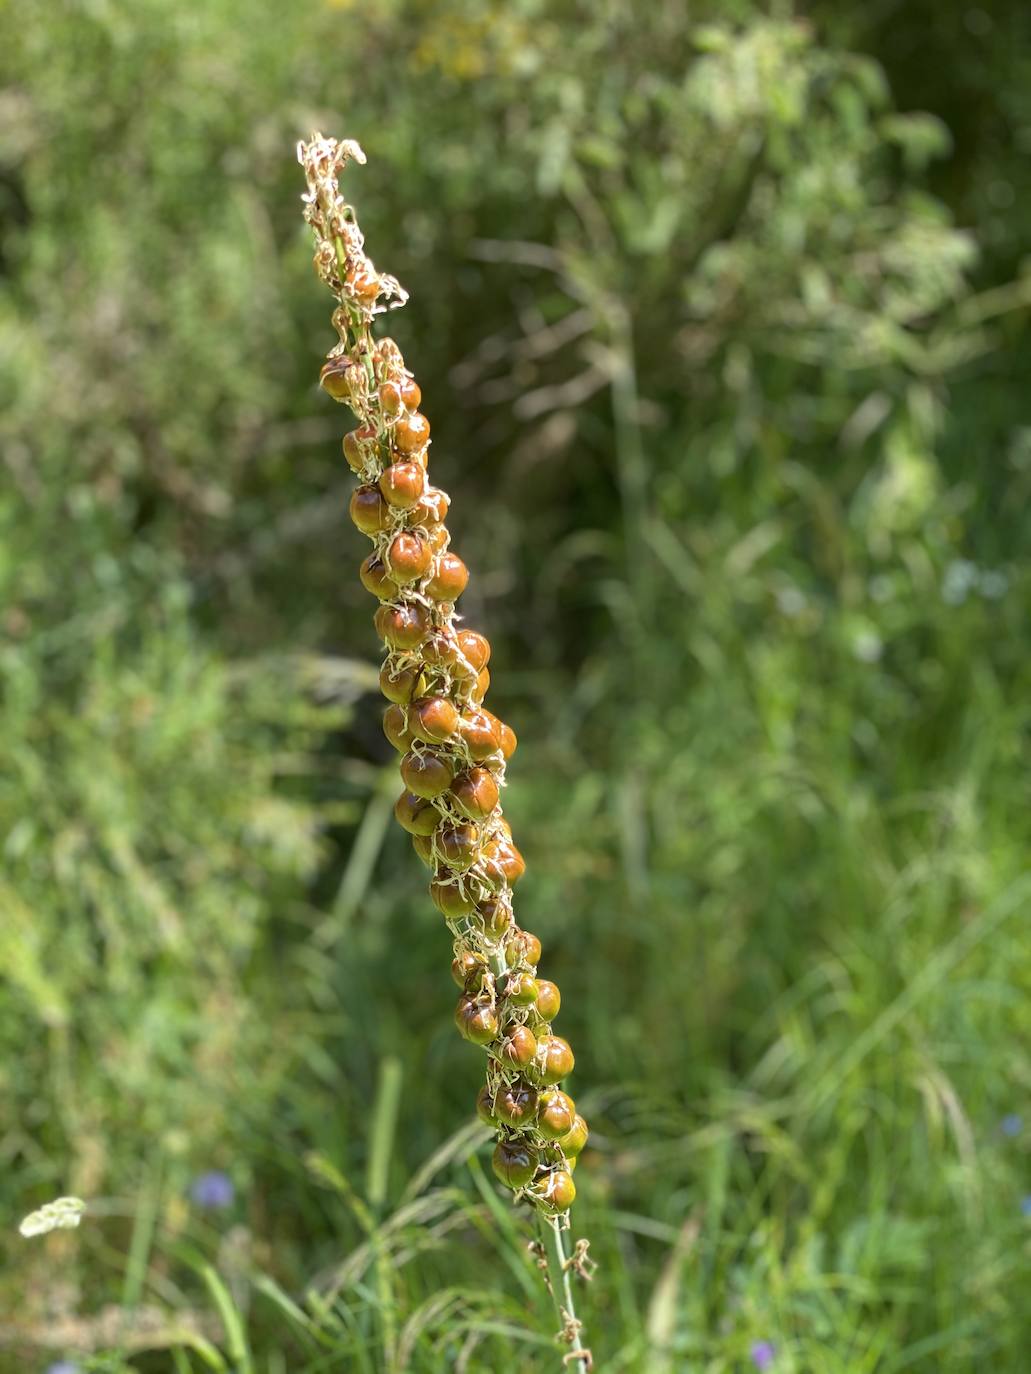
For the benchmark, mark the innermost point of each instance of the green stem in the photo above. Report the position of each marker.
(553, 1238)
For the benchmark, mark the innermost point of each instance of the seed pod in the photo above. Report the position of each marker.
(432, 508)
(516, 1103)
(555, 1114)
(397, 729)
(549, 999)
(416, 814)
(450, 900)
(495, 915)
(485, 1106)
(437, 537)
(449, 579)
(523, 948)
(480, 736)
(434, 719)
(369, 511)
(554, 1059)
(520, 989)
(502, 862)
(375, 578)
(518, 1048)
(398, 684)
(514, 1163)
(459, 845)
(475, 647)
(553, 1192)
(411, 433)
(573, 1142)
(427, 775)
(475, 793)
(402, 485)
(410, 393)
(334, 378)
(476, 1021)
(464, 964)
(404, 626)
(479, 688)
(423, 846)
(391, 402)
(358, 446)
(409, 558)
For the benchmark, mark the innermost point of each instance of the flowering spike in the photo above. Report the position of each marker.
(455, 750)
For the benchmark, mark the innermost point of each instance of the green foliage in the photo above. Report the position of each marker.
(731, 411)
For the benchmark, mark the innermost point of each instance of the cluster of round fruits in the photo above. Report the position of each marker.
(454, 750)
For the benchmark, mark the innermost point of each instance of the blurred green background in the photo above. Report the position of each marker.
(720, 315)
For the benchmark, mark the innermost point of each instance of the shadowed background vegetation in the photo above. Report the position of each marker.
(720, 316)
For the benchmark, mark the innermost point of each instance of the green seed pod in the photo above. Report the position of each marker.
(516, 1103)
(521, 989)
(573, 1142)
(514, 1163)
(485, 1107)
(554, 1059)
(476, 1021)
(556, 1114)
(519, 1047)
(549, 999)
(553, 1192)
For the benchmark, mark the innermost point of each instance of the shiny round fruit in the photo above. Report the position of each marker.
(437, 537)
(508, 741)
(549, 999)
(480, 735)
(335, 379)
(556, 1114)
(495, 915)
(459, 845)
(440, 649)
(524, 948)
(573, 1142)
(485, 1106)
(391, 401)
(516, 1104)
(450, 900)
(368, 510)
(476, 1021)
(397, 729)
(433, 508)
(404, 626)
(519, 1047)
(449, 579)
(434, 719)
(402, 485)
(475, 793)
(409, 557)
(521, 989)
(375, 578)
(465, 964)
(476, 648)
(425, 774)
(502, 862)
(554, 1192)
(411, 433)
(416, 814)
(514, 1163)
(411, 393)
(398, 684)
(358, 445)
(555, 1059)
(423, 846)
(479, 689)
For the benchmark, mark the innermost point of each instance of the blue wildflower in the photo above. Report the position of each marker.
(1011, 1124)
(763, 1353)
(63, 1367)
(213, 1189)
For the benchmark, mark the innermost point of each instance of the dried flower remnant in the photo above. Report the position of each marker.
(454, 751)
